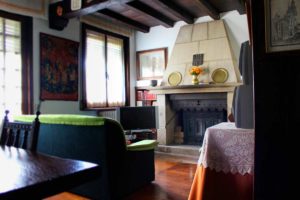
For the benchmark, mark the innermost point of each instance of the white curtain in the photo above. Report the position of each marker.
(105, 74)
(95, 70)
(116, 72)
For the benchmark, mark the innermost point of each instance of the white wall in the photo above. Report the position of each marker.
(237, 29)
(160, 36)
(72, 32)
(132, 70)
(157, 37)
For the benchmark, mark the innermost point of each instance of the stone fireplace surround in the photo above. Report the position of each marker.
(166, 111)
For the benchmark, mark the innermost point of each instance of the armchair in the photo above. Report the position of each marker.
(102, 141)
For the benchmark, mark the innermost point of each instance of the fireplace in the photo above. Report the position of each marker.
(195, 113)
(187, 110)
(196, 122)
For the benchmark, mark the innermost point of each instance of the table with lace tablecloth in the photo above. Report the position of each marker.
(226, 164)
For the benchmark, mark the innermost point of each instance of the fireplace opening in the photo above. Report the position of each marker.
(195, 122)
(196, 112)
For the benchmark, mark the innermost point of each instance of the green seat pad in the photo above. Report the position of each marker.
(142, 145)
(67, 119)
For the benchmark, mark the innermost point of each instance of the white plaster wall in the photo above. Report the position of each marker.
(34, 8)
(160, 36)
(237, 29)
(157, 37)
(72, 32)
(132, 70)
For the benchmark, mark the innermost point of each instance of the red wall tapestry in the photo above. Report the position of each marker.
(59, 68)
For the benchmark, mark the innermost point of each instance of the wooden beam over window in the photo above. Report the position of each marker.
(165, 21)
(242, 7)
(177, 11)
(89, 7)
(208, 8)
(131, 23)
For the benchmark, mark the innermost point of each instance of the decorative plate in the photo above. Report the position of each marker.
(220, 75)
(174, 78)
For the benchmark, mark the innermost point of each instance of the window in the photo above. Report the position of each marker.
(105, 68)
(15, 63)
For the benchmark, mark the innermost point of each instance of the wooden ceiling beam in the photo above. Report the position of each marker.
(90, 7)
(177, 11)
(165, 21)
(241, 6)
(208, 8)
(129, 22)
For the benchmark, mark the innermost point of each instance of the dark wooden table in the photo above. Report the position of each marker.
(31, 175)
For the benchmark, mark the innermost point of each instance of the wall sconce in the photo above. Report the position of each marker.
(56, 19)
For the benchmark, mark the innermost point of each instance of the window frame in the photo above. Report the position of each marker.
(26, 58)
(83, 101)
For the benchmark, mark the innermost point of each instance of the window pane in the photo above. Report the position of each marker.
(1, 84)
(13, 62)
(13, 88)
(95, 70)
(1, 43)
(1, 34)
(12, 44)
(116, 72)
(104, 69)
(1, 25)
(12, 27)
(1, 63)
(10, 66)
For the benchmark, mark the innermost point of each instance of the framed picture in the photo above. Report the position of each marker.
(282, 29)
(151, 63)
(58, 68)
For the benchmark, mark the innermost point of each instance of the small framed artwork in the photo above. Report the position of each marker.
(151, 64)
(58, 68)
(282, 25)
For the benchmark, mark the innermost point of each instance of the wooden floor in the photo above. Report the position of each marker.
(173, 179)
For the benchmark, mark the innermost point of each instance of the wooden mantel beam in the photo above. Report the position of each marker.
(177, 11)
(140, 6)
(208, 8)
(89, 7)
(131, 23)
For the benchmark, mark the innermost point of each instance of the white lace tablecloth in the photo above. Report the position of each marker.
(228, 149)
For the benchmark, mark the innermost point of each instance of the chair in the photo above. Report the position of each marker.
(125, 168)
(20, 134)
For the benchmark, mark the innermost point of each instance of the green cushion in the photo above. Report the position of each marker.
(142, 145)
(66, 119)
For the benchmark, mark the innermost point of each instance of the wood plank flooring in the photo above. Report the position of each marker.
(173, 179)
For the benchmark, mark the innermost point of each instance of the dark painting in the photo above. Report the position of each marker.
(59, 68)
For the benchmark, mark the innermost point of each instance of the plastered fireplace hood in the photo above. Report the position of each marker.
(210, 39)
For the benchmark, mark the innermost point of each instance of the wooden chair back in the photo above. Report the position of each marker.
(20, 134)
